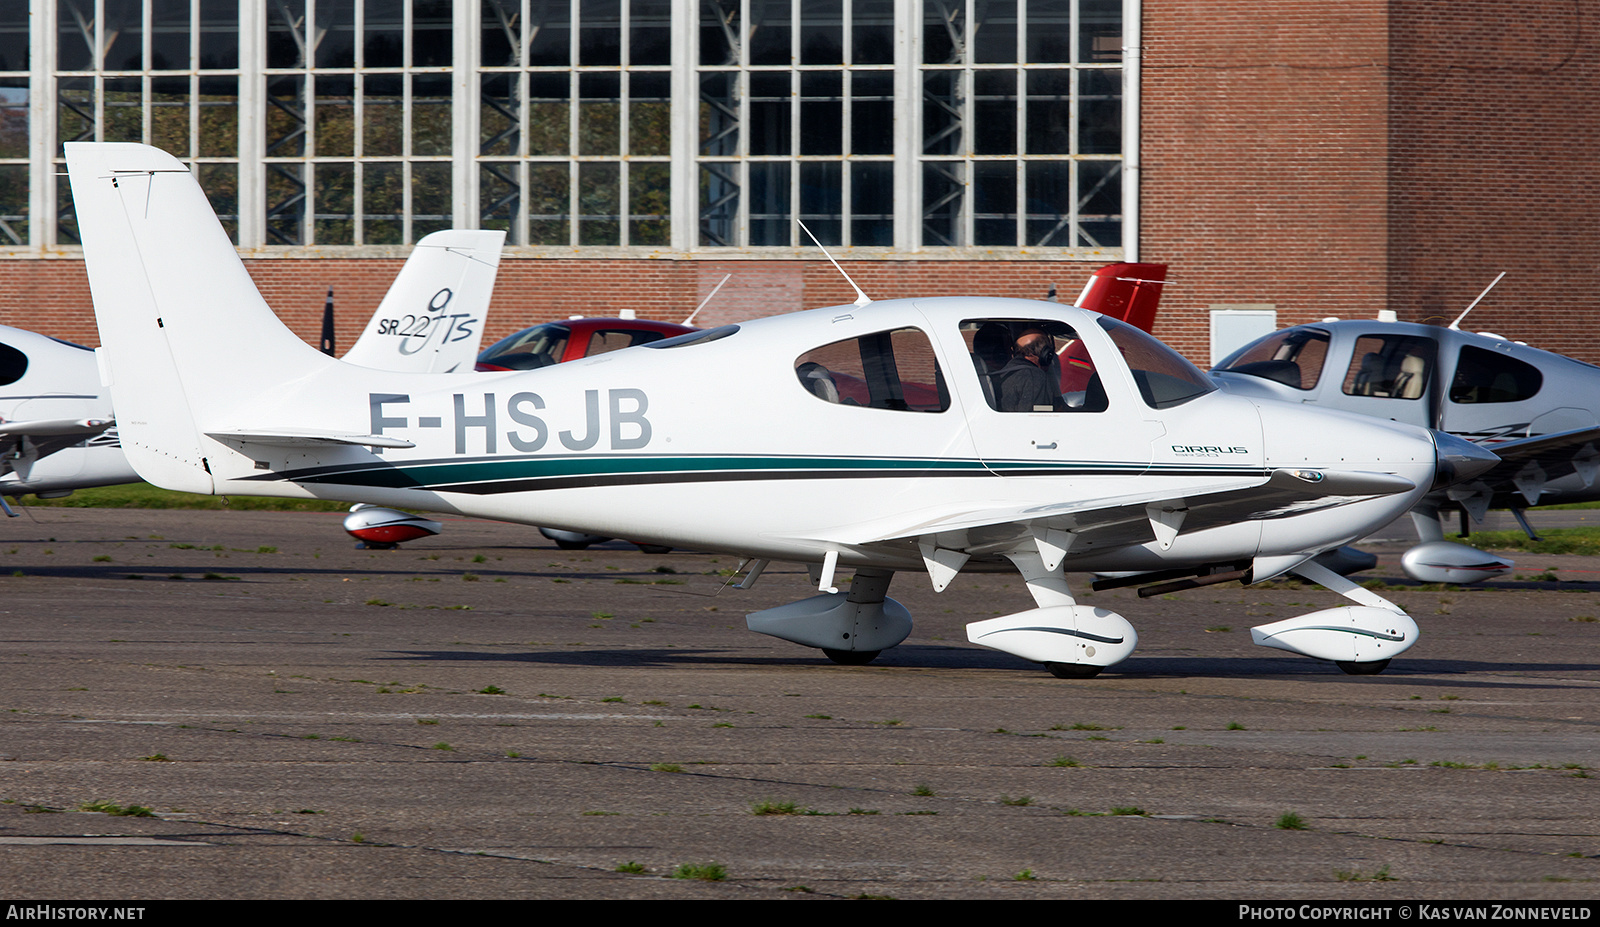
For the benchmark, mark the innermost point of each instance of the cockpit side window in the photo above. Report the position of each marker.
(1033, 365)
(885, 370)
(1292, 357)
(1390, 366)
(530, 349)
(13, 364)
(1489, 376)
(1165, 379)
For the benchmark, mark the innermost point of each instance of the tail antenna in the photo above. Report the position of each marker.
(709, 297)
(1456, 325)
(861, 298)
(327, 325)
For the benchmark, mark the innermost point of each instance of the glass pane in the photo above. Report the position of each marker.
(382, 116)
(822, 32)
(335, 116)
(1099, 204)
(500, 33)
(650, 32)
(430, 114)
(943, 25)
(124, 110)
(821, 113)
(14, 117)
(872, 203)
(941, 112)
(286, 120)
(943, 185)
(286, 34)
(336, 204)
(1049, 118)
(600, 35)
(599, 204)
(221, 184)
(719, 115)
(66, 218)
(769, 113)
(431, 34)
(498, 114)
(169, 35)
(994, 32)
(770, 223)
(872, 32)
(336, 35)
(1099, 31)
(383, 41)
(548, 130)
(219, 117)
(599, 114)
(74, 110)
(822, 201)
(994, 112)
(769, 33)
(286, 203)
(13, 36)
(498, 199)
(549, 34)
(1050, 31)
(1049, 204)
(430, 198)
(719, 203)
(13, 205)
(994, 203)
(719, 27)
(649, 113)
(649, 204)
(872, 112)
(382, 202)
(169, 115)
(1100, 112)
(123, 34)
(219, 34)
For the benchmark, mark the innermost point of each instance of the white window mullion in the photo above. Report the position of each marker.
(466, 98)
(685, 121)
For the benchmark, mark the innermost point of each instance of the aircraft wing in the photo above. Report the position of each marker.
(1527, 464)
(306, 437)
(1138, 518)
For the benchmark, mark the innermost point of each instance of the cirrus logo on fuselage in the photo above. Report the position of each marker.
(1207, 450)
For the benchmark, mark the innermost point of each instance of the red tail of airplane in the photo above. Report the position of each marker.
(1130, 292)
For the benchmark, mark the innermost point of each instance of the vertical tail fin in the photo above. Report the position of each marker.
(161, 270)
(431, 320)
(1130, 292)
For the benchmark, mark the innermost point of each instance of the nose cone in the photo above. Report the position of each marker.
(1459, 460)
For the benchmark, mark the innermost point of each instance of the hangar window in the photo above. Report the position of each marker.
(885, 370)
(1292, 357)
(1489, 376)
(1390, 366)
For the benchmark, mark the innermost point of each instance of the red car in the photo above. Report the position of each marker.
(571, 339)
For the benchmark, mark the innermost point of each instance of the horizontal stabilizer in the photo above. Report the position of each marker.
(308, 437)
(56, 427)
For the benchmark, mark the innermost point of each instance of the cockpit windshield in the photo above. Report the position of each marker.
(529, 349)
(1164, 377)
(1293, 357)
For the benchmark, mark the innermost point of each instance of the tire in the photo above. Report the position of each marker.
(1073, 670)
(851, 657)
(1371, 668)
(653, 549)
(572, 545)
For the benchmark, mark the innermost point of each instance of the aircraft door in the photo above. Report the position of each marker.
(1045, 399)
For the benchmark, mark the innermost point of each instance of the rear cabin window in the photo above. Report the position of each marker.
(1292, 357)
(1390, 366)
(1033, 365)
(893, 370)
(1489, 376)
(13, 364)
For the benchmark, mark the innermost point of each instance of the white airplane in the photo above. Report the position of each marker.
(739, 439)
(57, 426)
(1540, 412)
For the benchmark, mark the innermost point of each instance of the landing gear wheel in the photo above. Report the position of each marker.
(653, 548)
(1363, 669)
(1073, 670)
(851, 657)
(572, 545)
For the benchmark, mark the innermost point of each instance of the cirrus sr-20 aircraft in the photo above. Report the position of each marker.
(1538, 411)
(1147, 470)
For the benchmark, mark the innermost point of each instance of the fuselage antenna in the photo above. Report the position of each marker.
(1456, 325)
(725, 279)
(861, 298)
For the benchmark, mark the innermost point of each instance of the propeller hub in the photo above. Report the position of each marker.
(1459, 460)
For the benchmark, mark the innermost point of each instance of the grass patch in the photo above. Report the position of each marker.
(1290, 821)
(123, 811)
(705, 872)
(778, 807)
(632, 867)
(145, 496)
